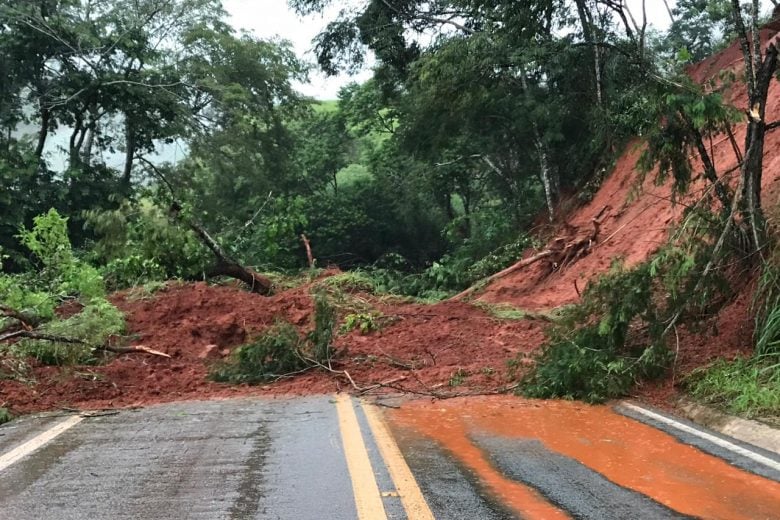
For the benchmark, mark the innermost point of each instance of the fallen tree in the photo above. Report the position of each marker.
(560, 252)
(225, 265)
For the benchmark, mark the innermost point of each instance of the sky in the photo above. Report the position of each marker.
(269, 18)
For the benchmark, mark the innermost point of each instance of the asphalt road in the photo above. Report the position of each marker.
(332, 457)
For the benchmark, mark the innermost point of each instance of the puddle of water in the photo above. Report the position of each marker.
(626, 452)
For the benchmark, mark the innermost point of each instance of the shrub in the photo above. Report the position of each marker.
(321, 337)
(139, 244)
(579, 369)
(362, 321)
(277, 352)
(281, 350)
(603, 345)
(5, 415)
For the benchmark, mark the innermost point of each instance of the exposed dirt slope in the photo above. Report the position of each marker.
(638, 220)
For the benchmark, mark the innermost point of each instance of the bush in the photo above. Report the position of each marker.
(277, 352)
(140, 244)
(281, 350)
(5, 415)
(579, 369)
(62, 277)
(608, 342)
(321, 337)
(131, 271)
(365, 322)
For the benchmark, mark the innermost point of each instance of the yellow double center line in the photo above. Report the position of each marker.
(368, 499)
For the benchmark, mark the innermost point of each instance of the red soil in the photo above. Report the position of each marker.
(198, 324)
(427, 347)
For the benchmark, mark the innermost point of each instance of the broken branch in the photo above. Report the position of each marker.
(31, 334)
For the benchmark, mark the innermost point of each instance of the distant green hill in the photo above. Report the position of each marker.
(330, 105)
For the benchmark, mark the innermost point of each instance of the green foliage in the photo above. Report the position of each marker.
(352, 281)
(5, 415)
(281, 350)
(689, 115)
(748, 386)
(139, 244)
(16, 293)
(364, 322)
(131, 271)
(62, 277)
(766, 305)
(62, 273)
(458, 377)
(276, 352)
(48, 240)
(321, 337)
(615, 337)
(93, 326)
(581, 368)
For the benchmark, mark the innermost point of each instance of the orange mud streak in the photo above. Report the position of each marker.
(626, 452)
(451, 433)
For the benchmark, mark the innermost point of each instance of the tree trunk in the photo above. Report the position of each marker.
(544, 173)
(129, 155)
(586, 19)
(763, 71)
(44, 132)
(710, 173)
(225, 265)
(541, 150)
(76, 138)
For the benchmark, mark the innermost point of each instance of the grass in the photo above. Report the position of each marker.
(458, 377)
(501, 311)
(505, 311)
(146, 291)
(747, 386)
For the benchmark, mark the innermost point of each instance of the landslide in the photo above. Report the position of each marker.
(450, 347)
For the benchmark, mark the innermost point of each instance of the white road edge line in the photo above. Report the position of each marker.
(38, 441)
(756, 457)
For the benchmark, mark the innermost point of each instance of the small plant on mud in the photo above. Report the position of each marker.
(458, 377)
(364, 322)
(321, 337)
(279, 351)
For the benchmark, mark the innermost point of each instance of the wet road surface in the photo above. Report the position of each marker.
(333, 457)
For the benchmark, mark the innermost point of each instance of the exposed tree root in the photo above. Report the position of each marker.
(561, 252)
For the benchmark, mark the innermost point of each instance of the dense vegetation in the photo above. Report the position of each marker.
(481, 117)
